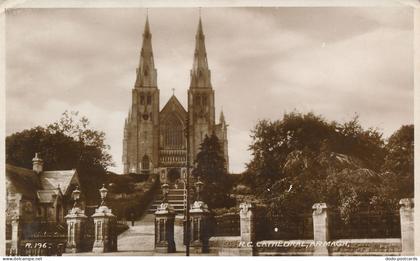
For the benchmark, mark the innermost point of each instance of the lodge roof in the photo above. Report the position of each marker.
(57, 178)
(41, 186)
(48, 195)
(25, 181)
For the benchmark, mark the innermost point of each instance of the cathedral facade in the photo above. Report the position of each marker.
(154, 140)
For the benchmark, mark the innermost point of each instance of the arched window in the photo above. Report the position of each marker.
(173, 133)
(145, 162)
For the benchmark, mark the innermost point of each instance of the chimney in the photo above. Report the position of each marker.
(37, 164)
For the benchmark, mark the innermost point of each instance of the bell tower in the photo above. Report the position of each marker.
(200, 95)
(141, 129)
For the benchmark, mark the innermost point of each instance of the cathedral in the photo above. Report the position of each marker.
(154, 139)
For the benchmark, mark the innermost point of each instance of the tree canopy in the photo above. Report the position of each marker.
(303, 159)
(69, 143)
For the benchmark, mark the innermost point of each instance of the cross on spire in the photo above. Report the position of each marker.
(173, 91)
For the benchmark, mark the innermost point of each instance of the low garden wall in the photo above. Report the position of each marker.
(322, 243)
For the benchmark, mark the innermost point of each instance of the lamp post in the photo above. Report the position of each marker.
(199, 186)
(187, 188)
(104, 192)
(76, 196)
(165, 192)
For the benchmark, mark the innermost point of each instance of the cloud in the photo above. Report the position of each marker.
(264, 62)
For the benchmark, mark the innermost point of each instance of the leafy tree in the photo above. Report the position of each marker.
(93, 150)
(211, 169)
(69, 143)
(58, 150)
(399, 163)
(303, 159)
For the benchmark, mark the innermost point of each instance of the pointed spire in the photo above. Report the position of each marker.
(200, 73)
(146, 72)
(222, 117)
(147, 26)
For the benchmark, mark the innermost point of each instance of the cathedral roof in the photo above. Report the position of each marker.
(173, 105)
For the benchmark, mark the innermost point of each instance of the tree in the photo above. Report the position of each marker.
(93, 150)
(69, 143)
(399, 163)
(58, 150)
(303, 159)
(211, 168)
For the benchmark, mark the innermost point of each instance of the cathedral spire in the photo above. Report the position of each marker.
(200, 73)
(222, 117)
(146, 72)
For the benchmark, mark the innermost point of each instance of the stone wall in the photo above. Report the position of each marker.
(321, 244)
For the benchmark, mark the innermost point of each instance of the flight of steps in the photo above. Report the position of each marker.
(175, 198)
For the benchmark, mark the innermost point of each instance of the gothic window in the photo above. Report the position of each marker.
(145, 162)
(173, 132)
(142, 99)
(149, 99)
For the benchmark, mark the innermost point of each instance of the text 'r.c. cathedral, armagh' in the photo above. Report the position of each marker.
(154, 140)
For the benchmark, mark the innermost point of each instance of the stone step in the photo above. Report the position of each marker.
(159, 197)
(169, 200)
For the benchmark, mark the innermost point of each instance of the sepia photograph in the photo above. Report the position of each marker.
(209, 130)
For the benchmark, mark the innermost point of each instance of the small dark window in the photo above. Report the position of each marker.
(141, 99)
(204, 100)
(145, 162)
(149, 99)
(197, 99)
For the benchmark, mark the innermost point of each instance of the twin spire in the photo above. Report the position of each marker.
(200, 73)
(147, 73)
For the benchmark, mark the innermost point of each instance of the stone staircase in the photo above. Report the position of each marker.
(175, 198)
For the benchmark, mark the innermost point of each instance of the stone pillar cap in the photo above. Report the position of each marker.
(76, 213)
(103, 211)
(37, 158)
(199, 207)
(319, 208)
(245, 206)
(407, 202)
(165, 208)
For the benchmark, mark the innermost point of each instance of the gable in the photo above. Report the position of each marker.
(57, 178)
(173, 106)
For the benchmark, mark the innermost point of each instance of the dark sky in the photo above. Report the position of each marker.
(337, 62)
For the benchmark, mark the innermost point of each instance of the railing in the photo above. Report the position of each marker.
(42, 239)
(366, 224)
(299, 226)
(226, 225)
